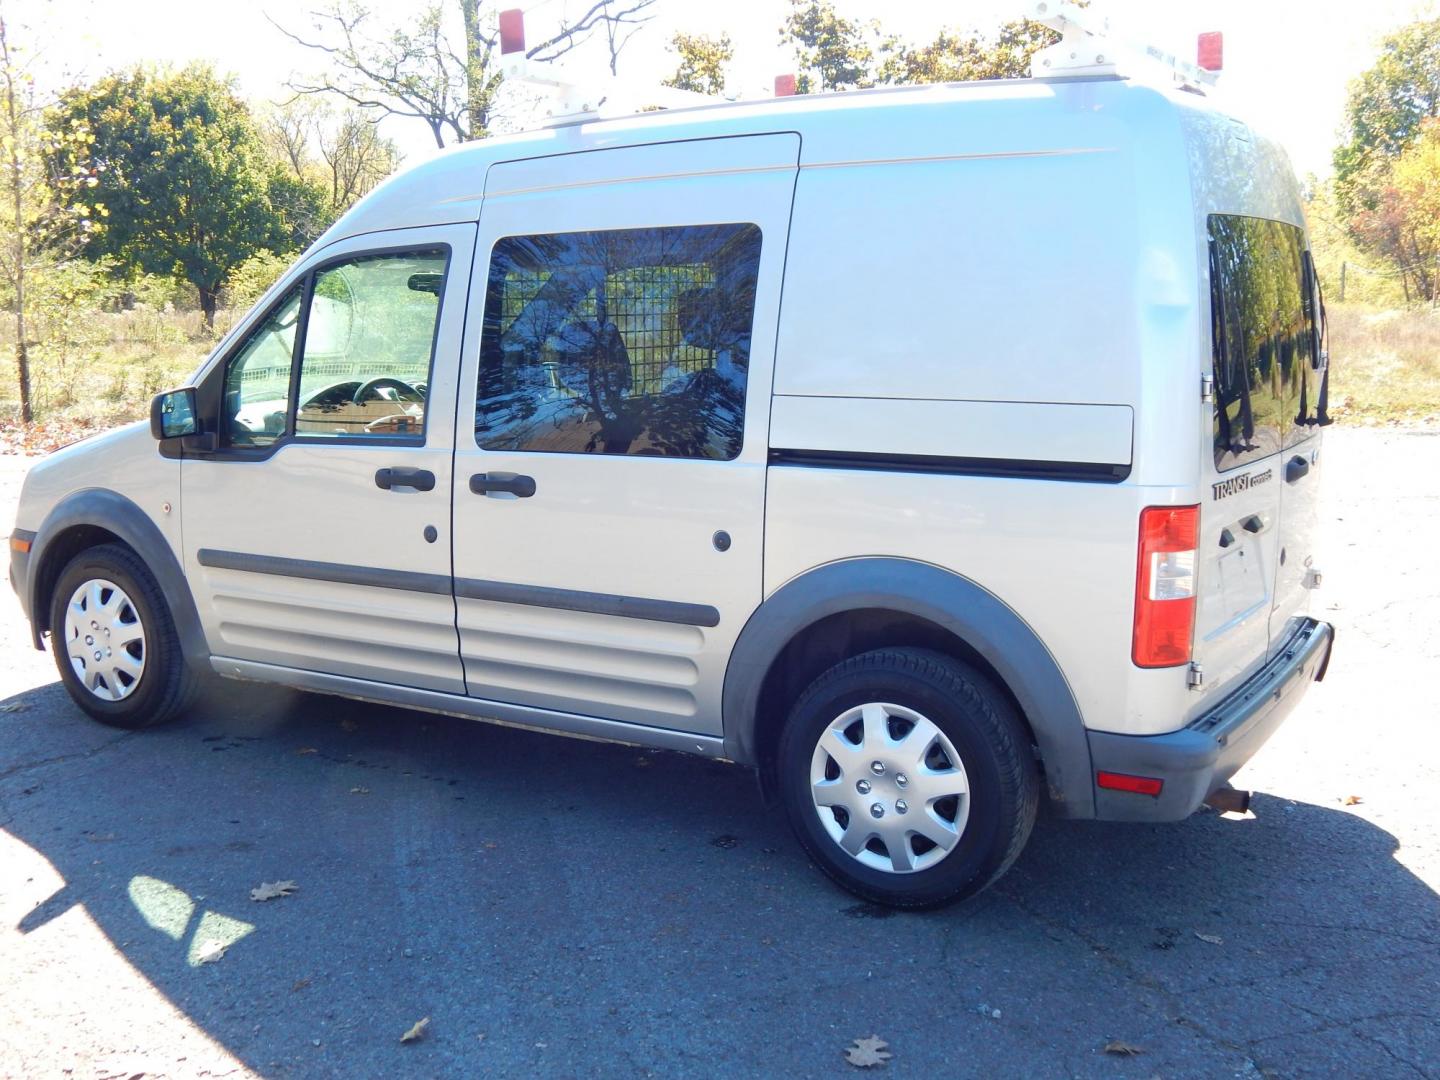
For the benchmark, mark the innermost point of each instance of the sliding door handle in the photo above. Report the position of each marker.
(520, 486)
(419, 479)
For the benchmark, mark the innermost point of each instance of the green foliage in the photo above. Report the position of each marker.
(301, 206)
(833, 52)
(702, 62)
(181, 175)
(958, 57)
(252, 278)
(1384, 112)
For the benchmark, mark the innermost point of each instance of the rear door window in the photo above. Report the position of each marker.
(1262, 319)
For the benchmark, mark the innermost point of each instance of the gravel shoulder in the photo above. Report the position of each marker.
(563, 907)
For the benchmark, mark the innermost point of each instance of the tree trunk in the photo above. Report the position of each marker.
(477, 105)
(209, 301)
(19, 252)
(22, 368)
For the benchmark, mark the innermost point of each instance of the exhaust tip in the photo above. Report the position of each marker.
(1228, 800)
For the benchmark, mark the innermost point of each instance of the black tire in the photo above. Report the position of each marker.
(985, 732)
(166, 684)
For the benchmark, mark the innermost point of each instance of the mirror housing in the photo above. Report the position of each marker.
(173, 415)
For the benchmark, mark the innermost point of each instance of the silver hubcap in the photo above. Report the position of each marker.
(889, 788)
(105, 640)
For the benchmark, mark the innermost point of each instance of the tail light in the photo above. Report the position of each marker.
(1165, 586)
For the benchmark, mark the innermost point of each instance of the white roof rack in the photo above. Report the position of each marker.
(1088, 47)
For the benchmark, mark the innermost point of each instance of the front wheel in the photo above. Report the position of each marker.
(114, 640)
(908, 777)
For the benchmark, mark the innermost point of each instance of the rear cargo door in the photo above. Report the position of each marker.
(1300, 473)
(1260, 338)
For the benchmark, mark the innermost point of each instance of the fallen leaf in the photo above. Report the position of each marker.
(14, 706)
(273, 890)
(1211, 938)
(300, 984)
(1122, 1049)
(209, 952)
(416, 1031)
(359, 791)
(1353, 800)
(867, 1053)
(305, 750)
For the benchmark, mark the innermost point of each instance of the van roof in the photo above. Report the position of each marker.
(1009, 117)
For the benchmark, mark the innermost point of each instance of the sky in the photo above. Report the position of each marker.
(1287, 62)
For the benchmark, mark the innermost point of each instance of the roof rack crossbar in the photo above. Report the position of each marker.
(1087, 46)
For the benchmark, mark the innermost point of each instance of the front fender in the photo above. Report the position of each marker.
(104, 509)
(954, 603)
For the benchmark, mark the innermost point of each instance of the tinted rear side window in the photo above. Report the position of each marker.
(1262, 325)
(627, 341)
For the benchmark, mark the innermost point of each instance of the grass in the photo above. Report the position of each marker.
(91, 371)
(95, 370)
(1385, 364)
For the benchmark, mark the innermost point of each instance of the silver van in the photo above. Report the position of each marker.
(931, 451)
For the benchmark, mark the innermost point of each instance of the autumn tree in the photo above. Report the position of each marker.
(1384, 111)
(702, 62)
(181, 171)
(41, 220)
(423, 71)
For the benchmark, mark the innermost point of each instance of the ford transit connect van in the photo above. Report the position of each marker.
(934, 452)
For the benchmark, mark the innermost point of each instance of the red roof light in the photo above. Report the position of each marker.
(512, 31)
(1210, 53)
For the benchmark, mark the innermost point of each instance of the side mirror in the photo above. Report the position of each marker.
(172, 414)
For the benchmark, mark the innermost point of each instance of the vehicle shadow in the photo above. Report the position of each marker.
(562, 907)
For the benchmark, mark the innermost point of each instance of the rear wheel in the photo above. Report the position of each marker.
(908, 777)
(114, 640)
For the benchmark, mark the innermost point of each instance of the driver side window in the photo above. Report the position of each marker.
(366, 332)
(365, 364)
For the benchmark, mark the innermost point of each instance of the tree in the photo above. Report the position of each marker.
(342, 153)
(960, 57)
(41, 221)
(702, 62)
(833, 52)
(419, 73)
(1385, 110)
(622, 25)
(182, 171)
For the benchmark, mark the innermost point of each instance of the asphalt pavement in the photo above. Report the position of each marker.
(558, 907)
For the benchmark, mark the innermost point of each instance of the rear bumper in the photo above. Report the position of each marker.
(1202, 756)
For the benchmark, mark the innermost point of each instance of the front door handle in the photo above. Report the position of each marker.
(1295, 468)
(520, 486)
(419, 479)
